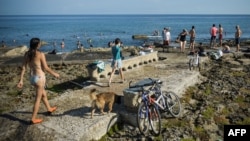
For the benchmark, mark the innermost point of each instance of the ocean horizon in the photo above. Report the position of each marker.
(16, 30)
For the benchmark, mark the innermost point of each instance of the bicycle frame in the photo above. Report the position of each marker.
(157, 102)
(146, 99)
(148, 114)
(160, 101)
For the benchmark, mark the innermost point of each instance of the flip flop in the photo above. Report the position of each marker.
(36, 121)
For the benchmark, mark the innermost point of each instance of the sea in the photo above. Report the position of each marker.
(98, 30)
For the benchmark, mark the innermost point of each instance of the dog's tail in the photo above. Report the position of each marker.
(92, 94)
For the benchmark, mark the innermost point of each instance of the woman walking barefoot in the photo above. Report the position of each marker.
(37, 63)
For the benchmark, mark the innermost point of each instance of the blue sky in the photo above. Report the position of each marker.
(55, 7)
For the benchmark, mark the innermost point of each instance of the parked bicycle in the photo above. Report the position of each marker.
(148, 114)
(156, 100)
(167, 101)
(194, 61)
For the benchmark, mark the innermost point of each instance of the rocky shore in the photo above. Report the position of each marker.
(221, 98)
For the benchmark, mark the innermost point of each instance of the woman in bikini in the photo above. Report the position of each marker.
(37, 62)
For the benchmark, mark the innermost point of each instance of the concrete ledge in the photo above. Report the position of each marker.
(176, 82)
(127, 64)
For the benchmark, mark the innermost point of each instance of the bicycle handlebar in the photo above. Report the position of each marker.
(137, 86)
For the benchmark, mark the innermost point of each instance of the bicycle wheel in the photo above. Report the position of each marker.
(191, 65)
(143, 118)
(173, 103)
(155, 120)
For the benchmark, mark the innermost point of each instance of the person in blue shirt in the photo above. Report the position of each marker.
(117, 60)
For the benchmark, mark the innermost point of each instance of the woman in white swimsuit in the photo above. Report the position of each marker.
(37, 62)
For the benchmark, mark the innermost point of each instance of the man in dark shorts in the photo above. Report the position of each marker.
(192, 39)
(237, 38)
(213, 32)
(167, 37)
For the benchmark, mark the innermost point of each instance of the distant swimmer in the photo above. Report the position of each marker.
(54, 44)
(85, 34)
(89, 40)
(75, 36)
(78, 44)
(62, 44)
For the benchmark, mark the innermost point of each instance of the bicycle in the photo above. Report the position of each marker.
(148, 113)
(167, 101)
(194, 61)
(161, 100)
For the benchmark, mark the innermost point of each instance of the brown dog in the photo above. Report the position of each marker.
(99, 100)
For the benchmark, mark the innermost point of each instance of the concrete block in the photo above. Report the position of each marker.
(131, 95)
(128, 64)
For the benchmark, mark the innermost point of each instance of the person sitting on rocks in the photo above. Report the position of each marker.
(226, 48)
(201, 50)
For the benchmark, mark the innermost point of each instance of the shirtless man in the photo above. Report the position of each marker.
(213, 32)
(237, 38)
(220, 34)
(192, 39)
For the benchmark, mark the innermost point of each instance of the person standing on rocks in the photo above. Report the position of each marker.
(163, 36)
(192, 39)
(237, 38)
(220, 34)
(117, 60)
(167, 37)
(213, 32)
(183, 41)
(37, 62)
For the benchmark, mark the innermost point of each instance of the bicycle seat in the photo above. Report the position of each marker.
(159, 81)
